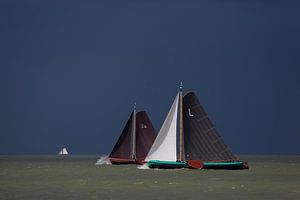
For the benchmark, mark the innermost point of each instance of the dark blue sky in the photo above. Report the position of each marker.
(71, 70)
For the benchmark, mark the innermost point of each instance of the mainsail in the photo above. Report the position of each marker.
(164, 146)
(122, 147)
(201, 139)
(63, 152)
(145, 135)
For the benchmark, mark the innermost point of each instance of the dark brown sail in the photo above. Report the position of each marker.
(122, 148)
(145, 135)
(201, 139)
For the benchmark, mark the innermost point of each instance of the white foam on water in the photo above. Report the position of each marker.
(103, 160)
(144, 166)
(139, 183)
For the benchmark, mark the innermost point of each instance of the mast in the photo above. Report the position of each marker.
(133, 132)
(180, 123)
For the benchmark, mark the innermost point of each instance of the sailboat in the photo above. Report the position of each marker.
(200, 145)
(63, 151)
(135, 140)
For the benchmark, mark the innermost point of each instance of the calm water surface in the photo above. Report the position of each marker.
(77, 177)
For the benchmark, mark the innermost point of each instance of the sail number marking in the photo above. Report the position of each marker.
(190, 114)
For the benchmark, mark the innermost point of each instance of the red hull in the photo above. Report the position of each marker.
(120, 161)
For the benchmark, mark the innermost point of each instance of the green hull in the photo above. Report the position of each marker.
(166, 164)
(225, 165)
(206, 165)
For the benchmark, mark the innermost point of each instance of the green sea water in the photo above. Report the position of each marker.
(77, 177)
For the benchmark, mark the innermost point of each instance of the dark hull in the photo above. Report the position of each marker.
(122, 161)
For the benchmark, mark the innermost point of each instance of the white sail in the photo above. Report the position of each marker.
(164, 146)
(63, 152)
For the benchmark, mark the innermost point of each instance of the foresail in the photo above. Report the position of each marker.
(122, 147)
(164, 146)
(145, 135)
(201, 139)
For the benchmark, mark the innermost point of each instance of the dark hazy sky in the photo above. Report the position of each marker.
(71, 70)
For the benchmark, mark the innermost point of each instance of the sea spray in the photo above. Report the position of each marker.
(103, 160)
(144, 166)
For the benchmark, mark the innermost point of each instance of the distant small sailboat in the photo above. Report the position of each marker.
(63, 151)
(135, 140)
(200, 145)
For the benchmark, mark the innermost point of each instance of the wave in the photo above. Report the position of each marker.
(103, 160)
(144, 166)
